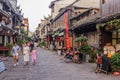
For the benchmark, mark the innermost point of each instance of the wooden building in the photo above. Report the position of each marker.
(43, 31)
(58, 27)
(83, 21)
(10, 21)
(58, 8)
(109, 22)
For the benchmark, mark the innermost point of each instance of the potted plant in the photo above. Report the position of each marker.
(86, 51)
(84, 48)
(81, 39)
(115, 62)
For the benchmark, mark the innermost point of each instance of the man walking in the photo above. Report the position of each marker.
(15, 53)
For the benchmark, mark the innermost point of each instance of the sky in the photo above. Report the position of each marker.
(34, 10)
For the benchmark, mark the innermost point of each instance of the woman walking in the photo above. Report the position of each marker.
(26, 52)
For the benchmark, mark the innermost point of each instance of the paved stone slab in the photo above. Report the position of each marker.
(50, 67)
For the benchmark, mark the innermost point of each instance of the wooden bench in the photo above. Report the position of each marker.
(4, 49)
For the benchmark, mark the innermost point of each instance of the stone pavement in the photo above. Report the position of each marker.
(50, 67)
(14, 73)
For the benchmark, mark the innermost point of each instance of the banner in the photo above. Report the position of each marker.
(66, 29)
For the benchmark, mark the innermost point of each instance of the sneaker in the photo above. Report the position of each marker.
(17, 63)
(14, 65)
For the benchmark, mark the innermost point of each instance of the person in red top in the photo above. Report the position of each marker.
(98, 61)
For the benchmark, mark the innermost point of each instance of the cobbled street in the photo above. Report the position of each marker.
(50, 67)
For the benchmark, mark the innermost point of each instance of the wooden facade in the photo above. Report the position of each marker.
(109, 11)
(59, 26)
(84, 23)
(111, 7)
(10, 23)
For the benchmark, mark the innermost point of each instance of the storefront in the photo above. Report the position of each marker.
(59, 39)
(110, 31)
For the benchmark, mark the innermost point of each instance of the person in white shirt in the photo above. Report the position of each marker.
(26, 54)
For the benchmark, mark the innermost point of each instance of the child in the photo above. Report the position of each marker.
(98, 61)
(33, 55)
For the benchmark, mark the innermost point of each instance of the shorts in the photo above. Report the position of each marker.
(15, 54)
(67, 56)
(99, 66)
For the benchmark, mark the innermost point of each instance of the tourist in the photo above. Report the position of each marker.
(15, 54)
(26, 52)
(98, 62)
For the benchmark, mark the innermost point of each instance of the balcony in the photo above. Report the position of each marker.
(7, 14)
(2, 23)
(6, 29)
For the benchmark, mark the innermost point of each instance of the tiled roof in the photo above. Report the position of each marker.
(89, 20)
(88, 4)
(74, 17)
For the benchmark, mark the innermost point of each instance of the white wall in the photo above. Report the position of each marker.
(60, 4)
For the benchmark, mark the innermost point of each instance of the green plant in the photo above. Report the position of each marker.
(20, 41)
(81, 39)
(85, 49)
(115, 62)
(42, 43)
(10, 53)
(112, 24)
(10, 45)
(23, 32)
(97, 27)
